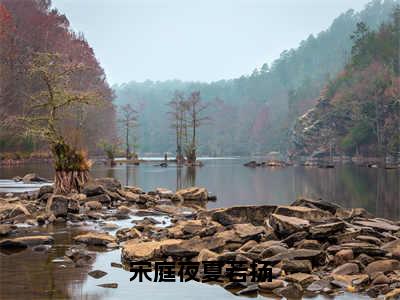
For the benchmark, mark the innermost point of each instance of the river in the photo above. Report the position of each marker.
(34, 275)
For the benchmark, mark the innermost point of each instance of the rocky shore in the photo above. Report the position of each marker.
(313, 247)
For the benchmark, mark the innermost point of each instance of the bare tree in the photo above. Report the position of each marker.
(45, 110)
(195, 108)
(178, 112)
(128, 120)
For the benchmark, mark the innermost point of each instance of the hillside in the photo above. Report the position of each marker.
(358, 112)
(254, 113)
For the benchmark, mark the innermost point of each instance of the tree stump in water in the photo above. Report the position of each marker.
(70, 181)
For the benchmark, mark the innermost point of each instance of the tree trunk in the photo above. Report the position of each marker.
(67, 182)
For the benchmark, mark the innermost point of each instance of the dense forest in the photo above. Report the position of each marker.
(32, 30)
(253, 113)
(358, 112)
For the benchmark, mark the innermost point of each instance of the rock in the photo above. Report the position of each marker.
(377, 290)
(295, 237)
(252, 164)
(95, 238)
(93, 205)
(127, 234)
(274, 284)
(109, 285)
(206, 255)
(381, 279)
(301, 278)
(347, 269)
(261, 247)
(247, 246)
(273, 250)
(129, 196)
(146, 199)
(306, 213)
(192, 247)
(255, 215)
(12, 210)
(41, 248)
(296, 266)
(291, 291)
(343, 256)
(365, 259)
(284, 225)
(110, 226)
(6, 229)
(386, 265)
(33, 178)
(26, 241)
(58, 205)
(324, 230)
(164, 193)
(193, 194)
(319, 286)
(124, 210)
(378, 225)
(308, 244)
(316, 256)
(142, 251)
(319, 204)
(73, 206)
(110, 184)
(45, 189)
(116, 265)
(394, 294)
(97, 274)
(365, 248)
(251, 289)
(102, 198)
(248, 231)
(91, 189)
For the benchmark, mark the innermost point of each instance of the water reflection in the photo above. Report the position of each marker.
(377, 190)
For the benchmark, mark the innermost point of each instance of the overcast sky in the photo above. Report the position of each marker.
(203, 40)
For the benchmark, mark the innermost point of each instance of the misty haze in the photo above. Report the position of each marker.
(211, 149)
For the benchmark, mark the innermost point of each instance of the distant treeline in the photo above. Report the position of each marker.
(254, 113)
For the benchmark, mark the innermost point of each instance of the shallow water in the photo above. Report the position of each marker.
(33, 275)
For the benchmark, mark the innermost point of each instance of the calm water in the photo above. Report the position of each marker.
(32, 275)
(376, 190)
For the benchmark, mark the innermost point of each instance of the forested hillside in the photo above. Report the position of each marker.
(254, 113)
(359, 111)
(30, 29)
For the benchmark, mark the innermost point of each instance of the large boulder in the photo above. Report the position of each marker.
(284, 225)
(255, 215)
(57, 205)
(45, 189)
(193, 194)
(306, 213)
(95, 238)
(136, 250)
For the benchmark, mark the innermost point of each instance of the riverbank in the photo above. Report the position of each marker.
(312, 246)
